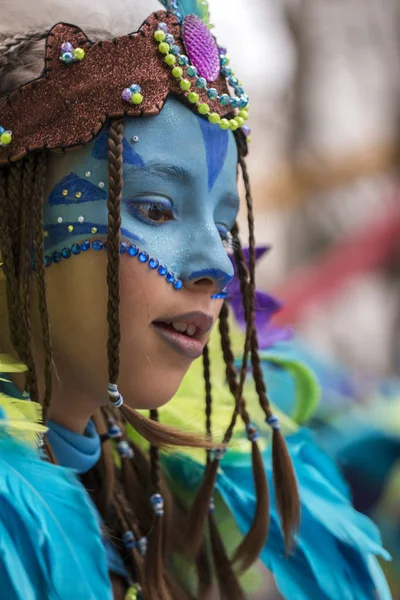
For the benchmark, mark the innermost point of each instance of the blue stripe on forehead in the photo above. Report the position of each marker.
(216, 144)
(73, 184)
(130, 157)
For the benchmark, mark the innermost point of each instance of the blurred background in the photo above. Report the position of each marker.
(324, 85)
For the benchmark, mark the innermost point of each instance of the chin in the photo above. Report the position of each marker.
(154, 392)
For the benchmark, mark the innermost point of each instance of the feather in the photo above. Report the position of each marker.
(50, 539)
(192, 7)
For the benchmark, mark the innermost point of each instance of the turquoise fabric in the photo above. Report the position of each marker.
(50, 541)
(79, 453)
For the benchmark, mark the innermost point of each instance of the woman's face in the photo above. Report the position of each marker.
(179, 201)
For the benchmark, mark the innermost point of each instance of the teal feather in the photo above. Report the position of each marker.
(190, 7)
(50, 539)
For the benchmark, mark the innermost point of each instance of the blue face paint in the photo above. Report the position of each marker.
(180, 195)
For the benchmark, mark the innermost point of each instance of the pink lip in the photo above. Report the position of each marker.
(190, 347)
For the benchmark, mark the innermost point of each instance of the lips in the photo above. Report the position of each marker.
(184, 332)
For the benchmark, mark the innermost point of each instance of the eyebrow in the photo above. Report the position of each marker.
(172, 172)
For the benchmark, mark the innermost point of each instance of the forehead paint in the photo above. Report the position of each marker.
(78, 190)
(216, 144)
(130, 157)
(189, 243)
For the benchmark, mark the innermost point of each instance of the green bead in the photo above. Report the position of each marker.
(5, 138)
(131, 594)
(136, 99)
(233, 125)
(177, 72)
(224, 124)
(214, 118)
(203, 109)
(170, 59)
(185, 85)
(193, 97)
(159, 36)
(244, 114)
(79, 53)
(239, 121)
(163, 47)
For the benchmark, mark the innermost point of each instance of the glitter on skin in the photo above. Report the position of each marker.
(176, 173)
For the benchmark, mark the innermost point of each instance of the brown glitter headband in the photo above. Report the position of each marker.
(69, 103)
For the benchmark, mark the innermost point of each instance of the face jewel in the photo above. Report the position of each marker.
(201, 47)
(132, 94)
(69, 54)
(5, 137)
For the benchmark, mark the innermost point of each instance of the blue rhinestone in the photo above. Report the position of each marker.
(2, 130)
(153, 263)
(239, 89)
(135, 89)
(223, 59)
(85, 245)
(183, 60)
(56, 257)
(67, 57)
(163, 27)
(178, 284)
(225, 99)
(191, 71)
(201, 83)
(212, 93)
(235, 102)
(133, 250)
(66, 252)
(162, 270)
(47, 261)
(169, 39)
(97, 245)
(123, 248)
(226, 71)
(143, 257)
(170, 277)
(75, 249)
(244, 101)
(105, 246)
(233, 80)
(175, 50)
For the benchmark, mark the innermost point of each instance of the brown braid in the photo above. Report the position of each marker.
(251, 546)
(285, 483)
(113, 245)
(38, 246)
(228, 584)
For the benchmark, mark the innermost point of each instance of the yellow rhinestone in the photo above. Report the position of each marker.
(65, 192)
(94, 230)
(46, 234)
(70, 228)
(78, 195)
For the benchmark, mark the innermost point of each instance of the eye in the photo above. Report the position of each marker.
(226, 237)
(154, 212)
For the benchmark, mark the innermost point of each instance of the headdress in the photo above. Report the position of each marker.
(85, 83)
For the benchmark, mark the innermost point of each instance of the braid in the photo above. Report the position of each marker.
(11, 48)
(38, 247)
(284, 477)
(113, 245)
(228, 583)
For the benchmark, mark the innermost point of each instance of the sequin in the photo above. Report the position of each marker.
(143, 257)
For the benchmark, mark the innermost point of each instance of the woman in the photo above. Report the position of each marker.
(104, 214)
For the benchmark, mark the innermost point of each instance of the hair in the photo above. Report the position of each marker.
(122, 492)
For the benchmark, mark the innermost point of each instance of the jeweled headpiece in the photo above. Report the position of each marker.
(84, 83)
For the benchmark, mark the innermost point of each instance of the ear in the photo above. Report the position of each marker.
(57, 36)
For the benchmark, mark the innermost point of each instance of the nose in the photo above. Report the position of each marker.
(207, 264)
